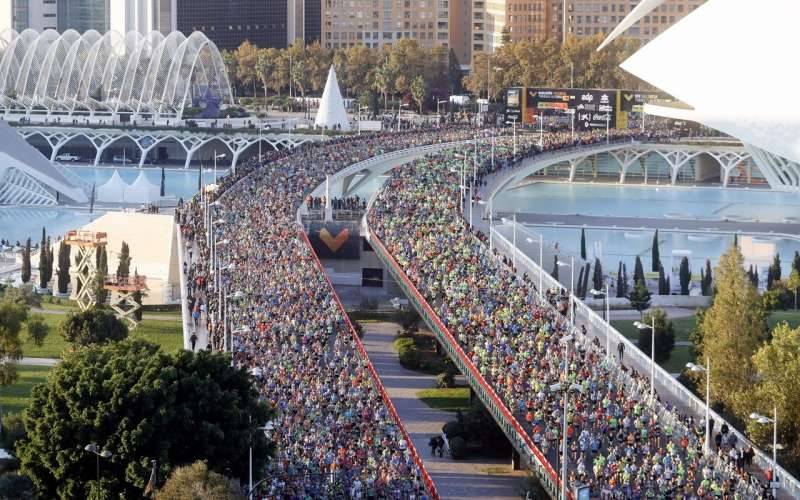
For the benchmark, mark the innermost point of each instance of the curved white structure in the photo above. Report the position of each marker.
(112, 73)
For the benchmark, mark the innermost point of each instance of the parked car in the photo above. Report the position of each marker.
(123, 159)
(67, 157)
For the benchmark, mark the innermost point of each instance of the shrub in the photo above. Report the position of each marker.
(454, 429)
(458, 448)
(445, 380)
(408, 353)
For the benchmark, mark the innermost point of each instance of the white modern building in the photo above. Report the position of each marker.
(126, 77)
(144, 16)
(731, 62)
(20, 15)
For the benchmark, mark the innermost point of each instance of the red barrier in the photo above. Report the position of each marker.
(375, 241)
(426, 478)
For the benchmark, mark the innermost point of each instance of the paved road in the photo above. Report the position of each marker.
(454, 479)
(653, 223)
(39, 361)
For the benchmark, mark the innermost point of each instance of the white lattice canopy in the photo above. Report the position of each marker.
(72, 73)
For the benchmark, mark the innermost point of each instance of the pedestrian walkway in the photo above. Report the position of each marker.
(454, 479)
(39, 361)
(198, 328)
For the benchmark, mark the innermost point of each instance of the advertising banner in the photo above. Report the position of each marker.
(595, 109)
(634, 101)
(514, 104)
(335, 240)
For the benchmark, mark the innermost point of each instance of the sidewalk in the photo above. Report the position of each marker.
(454, 479)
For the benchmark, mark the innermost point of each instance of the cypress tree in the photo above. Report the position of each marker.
(597, 278)
(662, 281)
(43, 259)
(554, 274)
(163, 182)
(638, 271)
(579, 285)
(736, 239)
(702, 282)
(25, 271)
(124, 266)
(685, 275)
(709, 280)
(620, 284)
(755, 277)
(585, 287)
(774, 271)
(655, 253)
(583, 243)
(102, 271)
(796, 261)
(624, 279)
(63, 267)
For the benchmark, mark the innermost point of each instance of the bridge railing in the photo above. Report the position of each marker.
(666, 384)
(426, 478)
(508, 423)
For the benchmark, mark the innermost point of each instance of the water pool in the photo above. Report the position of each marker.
(177, 182)
(17, 224)
(650, 201)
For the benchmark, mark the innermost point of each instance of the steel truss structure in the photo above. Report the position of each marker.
(70, 73)
(122, 291)
(146, 141)
(87, 243)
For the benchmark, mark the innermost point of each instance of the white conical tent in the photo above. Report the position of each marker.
(331, 108)
(113, 190)
(142, 190)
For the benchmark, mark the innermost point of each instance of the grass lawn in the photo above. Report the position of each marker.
(790, 316)
(167, 334)
(455, 398)
(681, 326)
(15, 397)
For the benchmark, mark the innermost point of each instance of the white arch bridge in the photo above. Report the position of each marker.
(191, 141)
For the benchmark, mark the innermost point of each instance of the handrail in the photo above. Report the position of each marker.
(426, 478)
(520, 436)
(184, 289)
(678, 390)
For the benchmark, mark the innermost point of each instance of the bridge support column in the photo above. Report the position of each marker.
(515, 460)
(472, 396)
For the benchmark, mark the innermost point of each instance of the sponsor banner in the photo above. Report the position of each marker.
(514, 105)
(335, 240)
(595, 109)
(633, 102)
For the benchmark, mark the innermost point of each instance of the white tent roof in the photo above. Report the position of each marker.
(731, 60)
(113, 190)
(142, 190)
(331, 108)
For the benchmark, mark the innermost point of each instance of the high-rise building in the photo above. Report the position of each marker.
(228, 23)
(23, 14)
(83, 15)
(592, 17)
(143, 16)
(312, 21)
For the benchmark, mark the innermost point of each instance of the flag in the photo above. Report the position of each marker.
(150, 488)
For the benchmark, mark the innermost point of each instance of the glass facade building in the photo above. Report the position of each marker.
(83, 15)
(228, 23)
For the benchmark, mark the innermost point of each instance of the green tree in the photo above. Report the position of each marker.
(696, 333)
(665, 334)
(44, 261)
(554, 274)
(418, 91)
(663, 288)
(14, 315)
(163, 187)
(685, 275)
(620, 282)
(63, 267)
(796, 261)
(733, 328)
(124, 265)
(583, 243)
(585, 283)
(101, 263)
(579, 289)
(655, 254)
(639, 297)
(638, 271)
(92, 326)
(706, 280)
(25, 271)
(16, 487)
(777, 364)
(198, 482)
(774, 271)
(597, 277)
(142, 404)
(793, 283)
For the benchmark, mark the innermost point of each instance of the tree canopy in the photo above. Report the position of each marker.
(665, 335)
(197, 482)
(92, 326)
(141, 404)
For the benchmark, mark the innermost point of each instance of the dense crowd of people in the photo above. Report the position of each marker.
(334, 432)
(622, 443)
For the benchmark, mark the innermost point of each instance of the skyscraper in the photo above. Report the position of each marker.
(83, 15)
(228, 23)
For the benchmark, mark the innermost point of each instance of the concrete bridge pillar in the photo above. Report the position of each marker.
(515, 460)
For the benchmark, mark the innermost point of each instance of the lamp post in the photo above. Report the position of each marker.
(400, 105)
(571, 266)
(437, 105)
(92, 448)
(541, 262)
(652, 328)
(761, 419)
(707, 370)
(565, 342)
(514, 129)
(606, 316)
(220, 156)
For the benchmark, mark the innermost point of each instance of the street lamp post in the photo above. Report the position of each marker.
(565, 342)
(514, 129)
(707, 369)
(606, 315)
(220, 156)
(761, 419)
(92, 448)
(652, 328)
